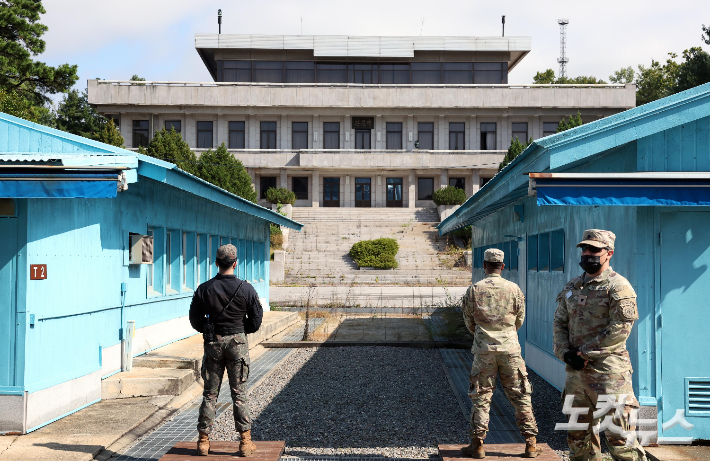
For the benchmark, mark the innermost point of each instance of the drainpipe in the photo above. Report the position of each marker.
(122, 330)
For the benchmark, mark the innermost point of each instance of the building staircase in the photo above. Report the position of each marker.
(319, 253)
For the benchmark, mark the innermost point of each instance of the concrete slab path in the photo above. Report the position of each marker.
(366, 296)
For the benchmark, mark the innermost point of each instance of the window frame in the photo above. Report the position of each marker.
(262, 189)
(387, 135)
(304, 184)
(419, 134)
(331, 136)
(145, 132)
(269, 132)
(419, 188)
(484, 142)
(172, 125)
(514, 131)
(458, 181)
(300, 133)
(460, 136)
(233, 127)
(204, 131)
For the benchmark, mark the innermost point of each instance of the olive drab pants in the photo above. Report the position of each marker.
(587, 387)
(230, 353)
(514, 378)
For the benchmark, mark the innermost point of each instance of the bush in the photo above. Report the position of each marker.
(280, 195)
(449, 196)
(379, 253)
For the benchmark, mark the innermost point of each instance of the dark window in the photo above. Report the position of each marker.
(459, 183)
(116, 119)
(173, 125)
(520, 131)
(426, 135)
(426, 188)
(267, 182)
(236, 135)
(490, 73)
(532, 252)
(394, 135)
(549, 128)
(557, 250)
(299, 135)
(234, 71)
(484, 181)
(506, 254)
(269, 71)
(456, 136)
(204, 135)
(488, 136)
(458, 73)
(363, 139)
(300, 188)
(363, 73)
(140, 133)
(394, 73)
(300, 72)
(332, 73)
(331, 135)
(268, 135)
(426, 73)
(514, 255)
(543, 258)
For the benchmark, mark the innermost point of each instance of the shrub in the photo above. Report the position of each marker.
(449, 196)
(378, 253)
(280, 195)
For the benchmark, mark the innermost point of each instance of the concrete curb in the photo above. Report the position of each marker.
(417, 344)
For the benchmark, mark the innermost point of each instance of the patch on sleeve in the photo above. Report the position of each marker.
(627, 310)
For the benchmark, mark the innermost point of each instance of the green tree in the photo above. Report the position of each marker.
(694, 71)
(544, 78)
(14, 104)
(548, 77)
(516, 148)
(706, 32)
(574, 121)
(623, 75)
(109, 134)
(220, 168)
(20, 40)
(75, 115)
(136, 78)
(169, 146)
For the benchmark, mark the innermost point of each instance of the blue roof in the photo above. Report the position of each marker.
(570, 148)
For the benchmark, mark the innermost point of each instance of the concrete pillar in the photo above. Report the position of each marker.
(315, 198)
(443, 178)
(317, 134)
(474, 134)
(284, 132)
(345, 186)
(253, 132)
(190, 130)
(504, 132)
(380, 133)
(283, 179)
(536, 128)
(348, 140)
(183, 127)
(443, 134)
(222, 131)
(123, 128)
(475, 181)
(412, 191)
(409, 134)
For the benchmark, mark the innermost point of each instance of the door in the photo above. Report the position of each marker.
(362, 139)
(523, 284)
(331, 192)
(394, 192)
(362, 192)
(684, 355)
(8, 290)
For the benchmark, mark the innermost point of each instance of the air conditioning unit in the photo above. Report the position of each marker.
(140, 249)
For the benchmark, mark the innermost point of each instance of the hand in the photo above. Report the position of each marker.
(585, 362)
(573, 359)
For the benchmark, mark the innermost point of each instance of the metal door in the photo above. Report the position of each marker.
(394, 192)
(362, 192)
(8, 290)
(684, 290)
(331, 192)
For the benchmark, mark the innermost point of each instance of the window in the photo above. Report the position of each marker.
(363, 139)
(173, 125)
(299, 133)
(456, 136)
(488, 136)
(549, 128)
(300, 72)
(490, 73)
(332, 73)
(184, 259)
(483, 181)
(300, 188)
(532, 252)
(267, 182)
(394, 73)
(268, 71)
(331, 135)
(426, 73)
(116, 119)
(459, 183)
(363, 73)
(204, 135)
(151, 267)
(543, 258)
(505, 246)
(236, 135)
(268, 135)
(394, 135)
(202, 259)
(520, 131)
(557, 250)
(234, 71)
(458, 73)
(426, 135)
(140, 133)
(426, 188)
(514, 255)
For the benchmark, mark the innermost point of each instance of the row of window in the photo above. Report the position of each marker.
(428, 73)
(331, 134)
(183, 260)
(545, 252)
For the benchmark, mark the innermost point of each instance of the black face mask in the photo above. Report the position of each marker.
(590, 264)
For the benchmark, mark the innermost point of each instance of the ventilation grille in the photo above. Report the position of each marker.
(698, 396)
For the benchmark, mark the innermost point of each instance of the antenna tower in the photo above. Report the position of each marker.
(563, 60)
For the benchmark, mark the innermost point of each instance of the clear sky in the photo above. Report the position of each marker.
(155, 38)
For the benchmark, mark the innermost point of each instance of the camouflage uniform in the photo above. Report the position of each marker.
(494, 309)
(595, 317)
(230, 352)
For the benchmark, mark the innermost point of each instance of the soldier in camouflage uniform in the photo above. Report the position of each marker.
(494, 310)
(594, 316)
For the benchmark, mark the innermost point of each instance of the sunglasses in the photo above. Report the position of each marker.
(592, 249)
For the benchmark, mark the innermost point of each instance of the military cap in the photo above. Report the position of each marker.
(493, 255)
(598, 238)
(227, 252)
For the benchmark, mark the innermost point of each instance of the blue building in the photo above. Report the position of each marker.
(644, 174)
(91, 236)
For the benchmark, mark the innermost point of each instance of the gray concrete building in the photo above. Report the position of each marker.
(356, 121)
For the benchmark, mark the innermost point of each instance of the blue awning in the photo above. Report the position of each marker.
(58, 185)
(621, 189)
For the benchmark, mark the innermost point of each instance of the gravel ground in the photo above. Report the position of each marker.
(547, 407)
(382, 401)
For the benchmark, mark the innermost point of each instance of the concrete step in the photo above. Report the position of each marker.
(145, 382)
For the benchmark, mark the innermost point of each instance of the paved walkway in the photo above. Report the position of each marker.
(296, 334)
(365, 296)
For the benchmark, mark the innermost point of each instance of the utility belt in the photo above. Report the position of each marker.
(227, 331)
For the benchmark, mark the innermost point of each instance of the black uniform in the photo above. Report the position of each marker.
(211, 297)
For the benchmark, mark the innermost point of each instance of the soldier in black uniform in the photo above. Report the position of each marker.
(225, 309)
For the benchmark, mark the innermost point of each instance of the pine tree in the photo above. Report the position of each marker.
(516, 148)
(75, 115)
(169, 146)
(220, 168)
(574, 121)
(109, 134)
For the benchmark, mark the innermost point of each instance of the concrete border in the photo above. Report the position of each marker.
(417, 344)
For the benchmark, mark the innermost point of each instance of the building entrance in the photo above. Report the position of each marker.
(362, 192)
(394, 192)
(331, 192)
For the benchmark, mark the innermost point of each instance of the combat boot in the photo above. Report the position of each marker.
(246, 446)
(203, 444)
(531, 448)
(475, 449)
